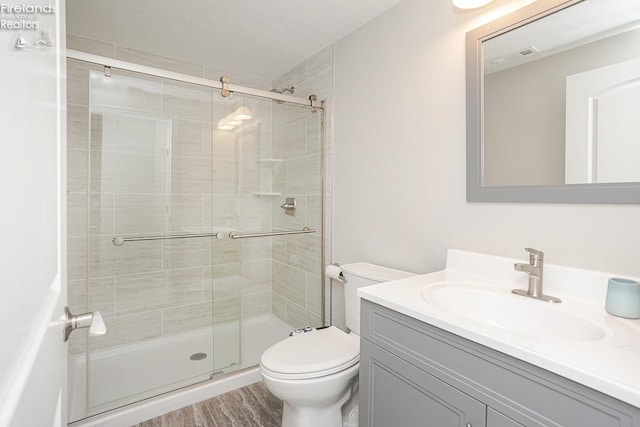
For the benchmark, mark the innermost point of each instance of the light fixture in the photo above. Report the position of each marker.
(243, 113)
(233, 120)
(470, 4)
(224, 124)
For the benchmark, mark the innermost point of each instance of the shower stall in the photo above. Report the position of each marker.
(195, 226)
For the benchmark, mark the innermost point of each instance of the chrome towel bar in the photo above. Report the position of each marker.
(119, 241)
(236, 235)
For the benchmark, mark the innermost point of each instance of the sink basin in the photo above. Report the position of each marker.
(499, 308)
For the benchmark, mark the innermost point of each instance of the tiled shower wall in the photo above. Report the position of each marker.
(239, 271)
(296, 140)
(149, 289)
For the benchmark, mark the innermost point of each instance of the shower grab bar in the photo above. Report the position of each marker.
(236, 235)
(119, 241)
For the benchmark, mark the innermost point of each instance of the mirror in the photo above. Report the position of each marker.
(553, 95)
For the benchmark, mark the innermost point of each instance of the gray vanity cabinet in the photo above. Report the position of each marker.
(496, 419)
(414, 374)
(403, 395)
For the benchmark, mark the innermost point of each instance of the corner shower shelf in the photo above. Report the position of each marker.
(265, 193)
(268, 160)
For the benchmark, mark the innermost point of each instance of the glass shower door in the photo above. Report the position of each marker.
(151, 186)
(277, 153)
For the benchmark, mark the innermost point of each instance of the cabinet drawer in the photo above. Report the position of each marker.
(395, 393)
(523, 392)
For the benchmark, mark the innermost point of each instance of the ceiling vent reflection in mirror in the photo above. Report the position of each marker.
(529, 50)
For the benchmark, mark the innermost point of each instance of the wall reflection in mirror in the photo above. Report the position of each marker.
(562, 98)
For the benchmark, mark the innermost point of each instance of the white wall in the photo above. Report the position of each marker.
(399, 171)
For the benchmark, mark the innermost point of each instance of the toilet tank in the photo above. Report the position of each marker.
(359, 274)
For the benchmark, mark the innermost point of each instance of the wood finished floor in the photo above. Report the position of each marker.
(249, 406)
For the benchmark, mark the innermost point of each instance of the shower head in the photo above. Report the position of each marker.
(290, 90)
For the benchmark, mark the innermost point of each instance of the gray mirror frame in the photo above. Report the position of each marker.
(620, 193)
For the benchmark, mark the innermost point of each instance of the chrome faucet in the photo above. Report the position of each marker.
(535, 271)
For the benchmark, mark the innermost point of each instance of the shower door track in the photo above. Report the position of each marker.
(158, 72)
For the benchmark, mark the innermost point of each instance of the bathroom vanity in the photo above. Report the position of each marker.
(430, 358)
(412, 373)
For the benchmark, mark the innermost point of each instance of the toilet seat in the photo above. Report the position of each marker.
(311, 355)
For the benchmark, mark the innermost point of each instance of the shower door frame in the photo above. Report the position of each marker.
(186, 78)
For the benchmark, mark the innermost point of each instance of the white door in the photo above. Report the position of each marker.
(32, 266)
(602, 127)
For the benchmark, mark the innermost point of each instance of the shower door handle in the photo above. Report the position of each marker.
(92, 320)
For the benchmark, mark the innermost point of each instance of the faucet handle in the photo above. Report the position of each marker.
(535, 254)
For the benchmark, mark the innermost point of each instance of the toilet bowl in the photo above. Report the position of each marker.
(313, 374)
(316, 373)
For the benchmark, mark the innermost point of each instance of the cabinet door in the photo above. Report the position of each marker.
(496, 419)
(393, 392)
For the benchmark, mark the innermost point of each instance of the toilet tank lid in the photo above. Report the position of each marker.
(374, 272)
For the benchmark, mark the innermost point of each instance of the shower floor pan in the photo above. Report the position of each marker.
(128, 374)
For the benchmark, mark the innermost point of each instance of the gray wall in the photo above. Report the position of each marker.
(399, 173)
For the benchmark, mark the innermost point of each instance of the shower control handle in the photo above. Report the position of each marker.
(92, 320)
(289, 206)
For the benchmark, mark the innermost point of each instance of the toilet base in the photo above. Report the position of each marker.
(314, 402)
(313, 416)
(351, 409)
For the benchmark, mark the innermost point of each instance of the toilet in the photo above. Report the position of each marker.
(316, 373)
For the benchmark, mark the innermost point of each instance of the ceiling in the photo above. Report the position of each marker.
(254, 38)
(576, 25)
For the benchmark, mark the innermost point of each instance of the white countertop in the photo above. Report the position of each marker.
(609, 364)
